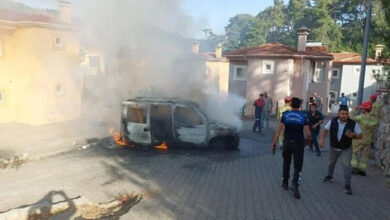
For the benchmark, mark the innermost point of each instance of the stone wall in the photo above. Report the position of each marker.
(382, 145)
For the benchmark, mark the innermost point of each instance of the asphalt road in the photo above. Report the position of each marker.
(196, 184)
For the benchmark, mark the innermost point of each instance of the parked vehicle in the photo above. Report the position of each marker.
(151, 121)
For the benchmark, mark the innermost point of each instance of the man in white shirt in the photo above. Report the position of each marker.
(342, 131)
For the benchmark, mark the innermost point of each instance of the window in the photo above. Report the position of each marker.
(376, 72)
(357, 70)
(136, 115)
(319, 73)
(59, 89)
(354, 95)
(268, 67)
(187, 117)
(333, 95)
(2, 96)
(58, 42)
(240, 72)
(94, 61)
(336, 74)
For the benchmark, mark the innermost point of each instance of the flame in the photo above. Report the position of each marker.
(162, 146)
(119, 140)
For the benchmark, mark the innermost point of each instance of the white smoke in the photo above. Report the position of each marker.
(147, 51)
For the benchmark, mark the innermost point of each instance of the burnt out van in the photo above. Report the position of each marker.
(151, 121)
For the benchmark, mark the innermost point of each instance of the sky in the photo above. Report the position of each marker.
(214, 14)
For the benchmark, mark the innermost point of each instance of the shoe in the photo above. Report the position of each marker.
(285, 186)
(361, 173)
(355, 171)
(327, 179)
(295, 190)
(318, 154)
(348, 189)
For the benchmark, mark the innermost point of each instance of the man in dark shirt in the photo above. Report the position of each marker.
(315, 118)
(295, 124)
(258, 107)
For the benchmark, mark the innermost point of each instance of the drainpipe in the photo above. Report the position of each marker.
(364, 56)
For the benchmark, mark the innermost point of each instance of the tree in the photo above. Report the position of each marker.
(237, 31)
(324, 28)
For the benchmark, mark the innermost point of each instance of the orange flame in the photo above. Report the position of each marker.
(119, 140)
(162, 146)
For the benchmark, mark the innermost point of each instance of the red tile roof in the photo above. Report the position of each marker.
(350, 58)
(9, 15)
(277, 49)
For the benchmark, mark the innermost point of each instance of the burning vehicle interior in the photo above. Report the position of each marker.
(154, 121)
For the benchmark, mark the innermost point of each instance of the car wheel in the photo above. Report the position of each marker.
(218, 143)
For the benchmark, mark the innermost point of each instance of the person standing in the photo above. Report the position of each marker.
(284, 108)
(342, 131)
(267, 110)
(257, 110)
(360, 147)
(343, 100)
(295, 124)
(315, 118)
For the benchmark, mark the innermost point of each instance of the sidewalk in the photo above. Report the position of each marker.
(36, 141)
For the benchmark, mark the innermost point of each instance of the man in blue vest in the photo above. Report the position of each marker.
(342, 131)
(295, 124)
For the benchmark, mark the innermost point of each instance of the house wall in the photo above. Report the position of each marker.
(322, 88)
(335, 84)
(31, 70)
(350, 81)
(238, 87)
(277, 84)
(218, 75)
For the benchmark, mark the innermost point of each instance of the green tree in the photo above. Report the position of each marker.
(237, 31)
(324, 28)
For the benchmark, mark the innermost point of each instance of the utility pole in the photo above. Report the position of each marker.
(364, 56)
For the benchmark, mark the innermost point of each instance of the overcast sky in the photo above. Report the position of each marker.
(213, 14)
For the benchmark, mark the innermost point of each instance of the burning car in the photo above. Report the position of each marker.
(152, 121)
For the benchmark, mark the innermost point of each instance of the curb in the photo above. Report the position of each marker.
(19, 159)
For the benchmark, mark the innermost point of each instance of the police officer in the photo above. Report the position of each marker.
(295, 124)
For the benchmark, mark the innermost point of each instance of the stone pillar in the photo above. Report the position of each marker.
(382, 144)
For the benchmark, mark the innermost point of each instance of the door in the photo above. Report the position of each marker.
(190, 125)
(137, 123)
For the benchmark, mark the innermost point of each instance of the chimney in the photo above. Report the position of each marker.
(218, 51)
(378, 51)
(302, 38)
(195, 48)
(64, 11)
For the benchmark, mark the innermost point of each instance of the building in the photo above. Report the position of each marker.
(217, 68)
(281, 71)
(39, 61)
(346, 74)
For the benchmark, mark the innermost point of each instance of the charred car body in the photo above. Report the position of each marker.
(151, 121)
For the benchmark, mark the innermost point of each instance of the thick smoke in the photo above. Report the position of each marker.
(146, 47)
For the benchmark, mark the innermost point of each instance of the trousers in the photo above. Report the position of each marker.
(346, 156)
(292, 150)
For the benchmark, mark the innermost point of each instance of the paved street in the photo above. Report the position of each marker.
(197, 184)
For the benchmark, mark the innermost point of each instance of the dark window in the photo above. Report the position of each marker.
(1, 95)
(136, 115)
(94, 61)
(58, 42)
(268, 67)
(187, 117)
(59, 89)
